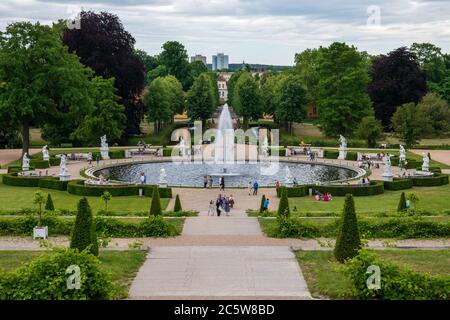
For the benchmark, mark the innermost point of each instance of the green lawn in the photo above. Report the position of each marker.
(123, 265)
(321, 273)
(22, 197)
(430, 199)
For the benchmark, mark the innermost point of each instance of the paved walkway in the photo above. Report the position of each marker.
(442, 156)
(10, 155)
(230, 270)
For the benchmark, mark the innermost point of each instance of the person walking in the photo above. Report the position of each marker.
(143, 178)
(266, 204)
(227, 206)
(211, 208)
(97, 158)
(231, 199)
(218, 205)
(205, 181)
(210, 181)
(255, 188)
(222, 183)
(250, 187)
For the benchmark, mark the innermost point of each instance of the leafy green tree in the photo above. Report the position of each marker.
(175, 59)
(106, 115)
(306, 67)
(39, 199)
(149, 61)
(49, 203)
(155, 207)
(231, 85)
(197, 68)
(33, 92)
(432, 61)
(348, 241)
(159, 71)
(247, 98)
(177, 97)
(410, 124)
(157, 100)
(283, 206)
(369, 129)
(437, 111)
(106, 197)
(200, 99)
(342, 89)
(270, 90)
(177, 206)
(83, 232)
(402, 203)
(291, 101)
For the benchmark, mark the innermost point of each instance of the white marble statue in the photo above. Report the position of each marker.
(162, 176)
(104, 148)
(342, 147)
(387, 173)
(265, 147)
(426, 162)
(45, 155)
(64, 174)
(402, 154)
(25, 162)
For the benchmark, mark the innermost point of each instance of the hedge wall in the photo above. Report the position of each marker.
(398, 184)
(53, 183)
(437, 180)
(39, 164)
(412, 164)
(54, 161)
(331, 154)
(375, 187)
(79, 188)
(352, 156)
(299, 191)
(14, 180)
(16, 169)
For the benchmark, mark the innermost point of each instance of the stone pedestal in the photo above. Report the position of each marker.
(387, 177)
(40, 232)
(425, 167)
(104, 152)
(65, 177)
(342, 154)
(46, 157)
(25, 168)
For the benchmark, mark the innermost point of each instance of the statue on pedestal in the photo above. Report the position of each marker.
(265, 147)
(45, 155)
(426, 162)
(342, 147)
(162, 177)
(64, 174)
(387, 174)
(25, 162)
(104, 148)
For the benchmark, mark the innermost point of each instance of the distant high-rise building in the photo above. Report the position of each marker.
(199, 57)
(219, 62)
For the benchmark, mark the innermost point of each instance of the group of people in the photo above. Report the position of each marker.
(208, 182)
(223, 203)
(322, 197)
(365, 181)
(253, 188)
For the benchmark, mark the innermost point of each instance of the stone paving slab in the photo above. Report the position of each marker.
(212, 271)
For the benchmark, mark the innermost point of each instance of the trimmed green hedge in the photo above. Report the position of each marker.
(369, 228)
(331, 154)
(167, 152)
(412, 164)
(16, 169)
(54, 161)
(105, 227)
(39, 164)
(398, 184)
(398, 283)
(433, 169)
(299, 191)
(79, 188)
(437, 180)
(53, 183)
(14, 180)
(352, 155)
(375, 188)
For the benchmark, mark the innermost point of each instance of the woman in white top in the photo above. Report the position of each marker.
(250, 187)
(212, 208)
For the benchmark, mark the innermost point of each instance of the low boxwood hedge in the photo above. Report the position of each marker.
(105, 227)
(436, 180)
(54, 161)
(412, 164)
(331, 154)
(16, 169)
(14, 180)
(433, 169)
(79, 188)
(53, 183)
(375, 188)
(351, 155)
(299, 191)
(398, 184)
(39, 164)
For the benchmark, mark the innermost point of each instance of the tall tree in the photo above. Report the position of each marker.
(105, 46)
(200, 99)
(40, 78)
(270, 90)
(432, 61)
(247, 98)
(369, 129)
(396, 79)
(175, 59)
(231, 84)
(176, 94)
(306, 67)
(437, 111)
(291, 101)
(157, 100)
(342, 89)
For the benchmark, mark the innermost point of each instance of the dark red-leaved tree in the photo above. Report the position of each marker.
(104, 45)
(396, 79)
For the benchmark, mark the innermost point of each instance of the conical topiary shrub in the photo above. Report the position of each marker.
(402, 203)
(348, 242)
(49, 203)
(261, 206)
(283, 207)
(177, 205)
(155, 207)
(83, 233)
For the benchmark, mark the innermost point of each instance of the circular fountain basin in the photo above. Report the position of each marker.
(237, 175)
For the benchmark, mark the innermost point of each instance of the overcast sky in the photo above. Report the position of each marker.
(258, 31)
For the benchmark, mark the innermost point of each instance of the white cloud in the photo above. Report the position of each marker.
(257, 31)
